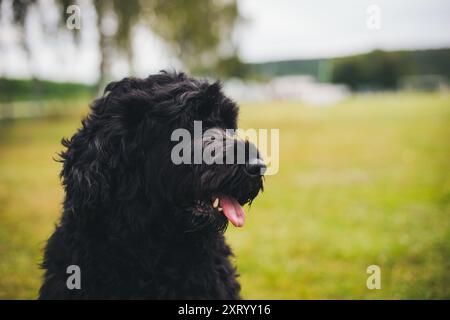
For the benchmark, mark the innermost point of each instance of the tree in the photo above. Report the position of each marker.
(377, 70)
(198, 32)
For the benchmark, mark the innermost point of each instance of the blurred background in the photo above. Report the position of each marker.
(359, 90)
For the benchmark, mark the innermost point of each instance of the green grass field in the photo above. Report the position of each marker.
(364, 182)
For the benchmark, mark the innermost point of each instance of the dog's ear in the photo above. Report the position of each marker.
(207, 100)
(126, 99)
(85, 172)
(94, 163)
(211, 103)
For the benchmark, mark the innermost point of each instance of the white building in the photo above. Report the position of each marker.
(289, 88)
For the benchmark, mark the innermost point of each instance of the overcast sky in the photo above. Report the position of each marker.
(322, 28)
(271, 30)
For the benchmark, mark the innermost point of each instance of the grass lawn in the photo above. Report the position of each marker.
(364, 182)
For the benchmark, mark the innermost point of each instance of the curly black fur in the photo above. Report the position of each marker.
(129, 218)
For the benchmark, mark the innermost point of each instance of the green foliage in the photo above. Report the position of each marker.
(287, 67)
(383, 70)
(374, 70)
(377, 69)
(431, 62)
(23, 90)
(226, 68)
(127, 13)
(198, 32)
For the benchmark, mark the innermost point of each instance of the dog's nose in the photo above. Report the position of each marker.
(255, 167)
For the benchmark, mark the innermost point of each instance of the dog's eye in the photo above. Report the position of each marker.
(209, 138)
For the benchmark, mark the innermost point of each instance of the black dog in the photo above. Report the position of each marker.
(135, 223)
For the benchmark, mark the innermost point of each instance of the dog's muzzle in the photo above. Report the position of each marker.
(223, 148)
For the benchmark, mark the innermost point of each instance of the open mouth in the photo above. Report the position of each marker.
(226, 205)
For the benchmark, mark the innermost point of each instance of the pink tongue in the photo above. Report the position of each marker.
(232, 210)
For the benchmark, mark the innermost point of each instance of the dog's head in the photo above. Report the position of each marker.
(167, 141)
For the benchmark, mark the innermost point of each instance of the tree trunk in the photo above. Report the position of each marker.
(100, 9)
